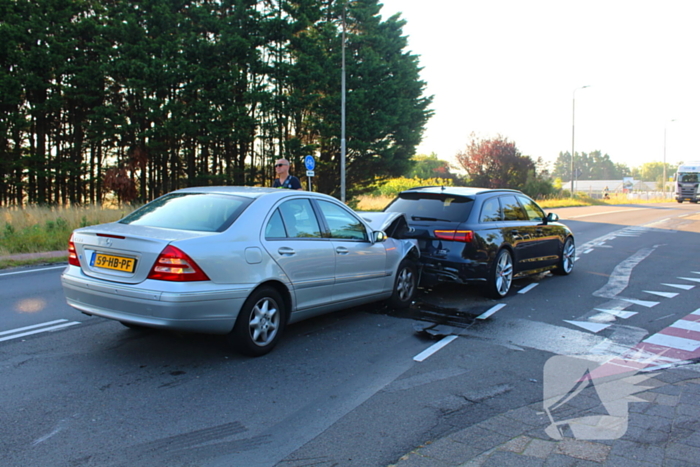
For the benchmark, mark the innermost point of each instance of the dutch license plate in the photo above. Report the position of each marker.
(117, 263)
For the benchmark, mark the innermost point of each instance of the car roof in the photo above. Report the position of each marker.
(459, 190)
(246, 191)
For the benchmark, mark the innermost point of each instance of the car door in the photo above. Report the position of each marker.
(547, 235)
(360, 265)
(521, 234)
(293, 238)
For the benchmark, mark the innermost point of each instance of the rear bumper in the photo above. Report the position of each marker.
(434, 271)
(212, 312)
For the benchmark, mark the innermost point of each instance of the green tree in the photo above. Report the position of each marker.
(590, 166)
(142, 97)
(429, 166)
(386, 108)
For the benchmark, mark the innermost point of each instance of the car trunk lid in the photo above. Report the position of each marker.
(124, 253)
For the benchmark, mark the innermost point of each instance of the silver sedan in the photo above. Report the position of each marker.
(240, 261)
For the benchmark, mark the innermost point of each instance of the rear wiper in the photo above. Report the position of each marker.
(433, 219)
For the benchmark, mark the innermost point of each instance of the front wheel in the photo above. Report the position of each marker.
(567, 258)
(500, 276)
(404, 285)
(259, 324)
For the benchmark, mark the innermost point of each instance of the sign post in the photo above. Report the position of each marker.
(310, 164)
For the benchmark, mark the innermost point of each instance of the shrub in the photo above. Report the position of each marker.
(395, 186)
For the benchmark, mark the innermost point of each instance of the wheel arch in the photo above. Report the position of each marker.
(284, 292)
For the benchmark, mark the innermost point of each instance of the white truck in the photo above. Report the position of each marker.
(687, 180)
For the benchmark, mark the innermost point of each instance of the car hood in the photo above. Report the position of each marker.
(383, 220)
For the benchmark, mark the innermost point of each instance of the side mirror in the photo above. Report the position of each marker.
(379, 236)
(552, 217)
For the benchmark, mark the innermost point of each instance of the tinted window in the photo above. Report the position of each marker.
(432, 206)
(190, 211)
(299, 219)
(534, 212)
(491, 210)
(511, 209)
(341, 223)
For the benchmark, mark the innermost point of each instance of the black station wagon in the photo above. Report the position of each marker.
(487, 236)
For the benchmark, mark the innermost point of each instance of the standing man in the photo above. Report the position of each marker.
(284, 180)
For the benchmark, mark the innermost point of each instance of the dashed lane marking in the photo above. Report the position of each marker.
(491, 311)
(528, 288)
(434, 348)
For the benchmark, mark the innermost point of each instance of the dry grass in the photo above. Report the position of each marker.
(373, 203)
(34, 229)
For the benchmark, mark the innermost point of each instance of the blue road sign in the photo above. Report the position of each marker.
(309, 162)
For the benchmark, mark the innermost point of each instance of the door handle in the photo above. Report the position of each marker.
(341, 250)
(286, 251)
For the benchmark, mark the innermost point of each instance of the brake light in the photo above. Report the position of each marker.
(465, 236)
(72, 254)
(174, 265)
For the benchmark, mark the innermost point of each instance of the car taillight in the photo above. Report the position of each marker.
(174, 265)
(72, 254)
(465, 236)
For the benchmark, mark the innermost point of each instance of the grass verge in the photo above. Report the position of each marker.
(16, 263)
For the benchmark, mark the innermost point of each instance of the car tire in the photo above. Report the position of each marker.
(566, 261)
(260, 323)
(500, 277)
(135, 327)
(405, 285)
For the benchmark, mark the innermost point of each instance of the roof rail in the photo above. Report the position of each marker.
(431, 186)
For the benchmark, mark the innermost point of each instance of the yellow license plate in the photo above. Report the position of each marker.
(118, 263)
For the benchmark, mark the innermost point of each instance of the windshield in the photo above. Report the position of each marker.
(202, 212)
(432, 206)
(688, 177)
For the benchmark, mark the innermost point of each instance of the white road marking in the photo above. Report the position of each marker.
(491, 311)
(687, 325)
(32, 270)
(434, 348)
(588, 326)
(673, 342)
(618, 313)
(680, 286)
(36, 331)
(34, 326)
(606, 212)
(661, 294)
(620, 277)
(644, 303)
(528, 288)
(692, 279)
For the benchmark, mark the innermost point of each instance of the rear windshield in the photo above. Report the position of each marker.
(432, 206)
(202, 212)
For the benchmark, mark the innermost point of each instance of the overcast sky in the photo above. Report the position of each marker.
(510, 67)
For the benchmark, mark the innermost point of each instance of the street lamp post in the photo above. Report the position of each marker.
(573, 134)
(664, 180)
(343, 148)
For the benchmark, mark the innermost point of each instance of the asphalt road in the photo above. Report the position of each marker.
(354, 388)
